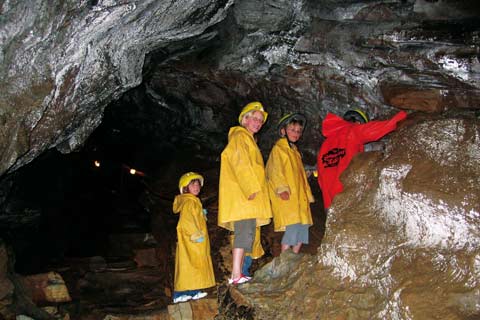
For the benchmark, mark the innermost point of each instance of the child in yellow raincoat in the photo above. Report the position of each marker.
(243, 202)
(290, 192)
(193, 264)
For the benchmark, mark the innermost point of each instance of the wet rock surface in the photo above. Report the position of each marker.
(401, 241)
(62, 64)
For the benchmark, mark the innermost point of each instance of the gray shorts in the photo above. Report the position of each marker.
(244, 234)
(295, 234)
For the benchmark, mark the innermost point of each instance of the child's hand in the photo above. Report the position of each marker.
(197, 237)
(284, 195)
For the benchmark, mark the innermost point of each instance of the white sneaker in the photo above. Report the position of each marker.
(182, 298)
(239, 280)
(199, 295)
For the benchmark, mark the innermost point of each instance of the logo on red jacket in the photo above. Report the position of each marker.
(332, 157)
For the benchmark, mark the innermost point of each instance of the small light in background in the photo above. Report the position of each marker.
(132, 171)
(96, 163)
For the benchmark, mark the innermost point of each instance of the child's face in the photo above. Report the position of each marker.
(293, 131)
(254, 122)
(194, 187)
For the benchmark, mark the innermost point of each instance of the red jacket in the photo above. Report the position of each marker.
(344, 140)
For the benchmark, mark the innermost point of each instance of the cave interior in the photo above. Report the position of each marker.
(101, 214)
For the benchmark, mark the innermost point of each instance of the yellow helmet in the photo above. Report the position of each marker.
(356, 115)
(187, 178)
(250, 107)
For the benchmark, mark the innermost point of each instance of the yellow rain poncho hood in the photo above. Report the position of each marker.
(242, 173)
(193, 264)
(285, 172)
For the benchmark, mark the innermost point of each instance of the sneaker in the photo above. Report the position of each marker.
(182, 298)
(248, 277)
(199, 295)
(239, 280)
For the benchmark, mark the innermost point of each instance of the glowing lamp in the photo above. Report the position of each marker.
(96, 163)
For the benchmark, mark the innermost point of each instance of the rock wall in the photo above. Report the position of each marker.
(61, 64)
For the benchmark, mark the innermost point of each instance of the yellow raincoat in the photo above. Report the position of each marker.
(242, 173)
(193, 264)
(285, 172)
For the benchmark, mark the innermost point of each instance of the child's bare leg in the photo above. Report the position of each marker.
(237, 256)
(243, 259)
(285, 247)
(296, 248)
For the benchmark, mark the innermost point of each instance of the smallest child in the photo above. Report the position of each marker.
(193, 263)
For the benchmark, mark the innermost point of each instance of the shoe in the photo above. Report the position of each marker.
(182, 298)
(239, 280)
(199, 295)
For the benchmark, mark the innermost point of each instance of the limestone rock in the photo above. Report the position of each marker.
(155, 315)
(6, 286)
(47, 287)
(199, 309)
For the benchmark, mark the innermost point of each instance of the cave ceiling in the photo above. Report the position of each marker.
(181, 70)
